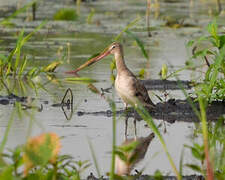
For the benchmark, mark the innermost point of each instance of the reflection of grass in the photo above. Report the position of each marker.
(9, 65)
(66, 15)
(148, 119)
(6, 21)
(213, 86)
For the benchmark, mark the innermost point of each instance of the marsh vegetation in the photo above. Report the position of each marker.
(60, 117)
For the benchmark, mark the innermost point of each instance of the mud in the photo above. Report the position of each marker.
(11, 99)
(171, 111)
(158, 84)
(147, 177)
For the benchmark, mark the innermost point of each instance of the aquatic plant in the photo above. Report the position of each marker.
(6, 21)
(41, 152)
(90, 16)
(65, 15)
(13, 64)
(139, 43)
(216, 146)
(213, 85)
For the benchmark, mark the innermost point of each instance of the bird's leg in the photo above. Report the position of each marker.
(126, 120)
(164, 127)
(135, 129)
(126, 123)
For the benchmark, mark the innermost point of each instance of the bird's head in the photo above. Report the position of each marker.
(111, 49)
(115, 48)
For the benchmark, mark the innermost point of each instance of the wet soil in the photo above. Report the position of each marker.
(147, 177)
(171, 111)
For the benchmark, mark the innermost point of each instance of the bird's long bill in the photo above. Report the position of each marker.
(91, 61)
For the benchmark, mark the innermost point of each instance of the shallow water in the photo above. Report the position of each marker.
(166, 46)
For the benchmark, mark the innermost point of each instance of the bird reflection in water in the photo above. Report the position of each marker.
(131, 152)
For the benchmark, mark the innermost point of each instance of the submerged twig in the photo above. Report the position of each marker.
(193, 50)
(148, 17)
(207, 62)
(34, 8)
(219, 6)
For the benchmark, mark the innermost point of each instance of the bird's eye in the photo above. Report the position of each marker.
(113, 46)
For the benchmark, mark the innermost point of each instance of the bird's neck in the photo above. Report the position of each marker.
(120, 64)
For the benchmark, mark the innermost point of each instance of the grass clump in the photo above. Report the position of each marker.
(65, 15)
(39, 159)
(210, 49)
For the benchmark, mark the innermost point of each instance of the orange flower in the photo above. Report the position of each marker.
(40, 150)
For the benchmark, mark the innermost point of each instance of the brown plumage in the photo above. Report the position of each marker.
(129, 88)
(124, 167)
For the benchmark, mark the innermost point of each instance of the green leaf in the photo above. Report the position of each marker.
(194, 167)
(164, 72)
(212, 28)
(52, 66)
(128, 147)
(90, 16)
(66, 14)
(43, 154)
(190, 43)
(196, 153)
(222, 41)
(121, 155)
(139, 42)
(2, 163)
(23, 66)
(134, 22)
(7, 173)
(80, 79)
(141, 73)
(158, 175)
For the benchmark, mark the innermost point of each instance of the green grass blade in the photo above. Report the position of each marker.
(94, 157)
(21, 10)
(181, 165)
(9, 125)
(175, 72)
(23, 66)
(80, 79)
(139, 42)
(148, 119)
(113, 107)
(189, 99)
(26, 38)
(134, 22)
(209, 169)
(17, 50)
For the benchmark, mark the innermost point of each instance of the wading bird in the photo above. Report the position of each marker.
(135, 154)
(129, 88)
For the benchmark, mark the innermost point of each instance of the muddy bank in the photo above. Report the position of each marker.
(170, 111)
(147, 177)
(157, 84)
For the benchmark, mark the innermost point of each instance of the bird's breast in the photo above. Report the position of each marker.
(124, 87)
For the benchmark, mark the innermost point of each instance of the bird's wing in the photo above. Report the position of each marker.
(142, 94)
